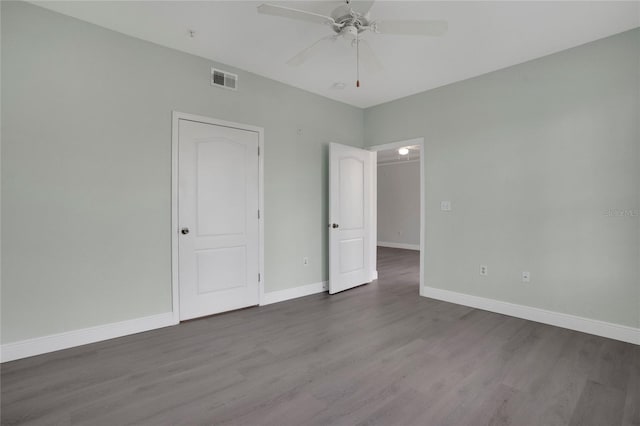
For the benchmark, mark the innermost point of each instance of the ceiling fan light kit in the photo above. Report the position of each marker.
(350, 24)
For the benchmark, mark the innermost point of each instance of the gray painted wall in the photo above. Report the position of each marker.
(86, 170)
(533, 157)
(399, 203)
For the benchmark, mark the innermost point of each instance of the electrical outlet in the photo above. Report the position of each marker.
(305, 261)
(484, 270)
(445, 206)
(526, 277)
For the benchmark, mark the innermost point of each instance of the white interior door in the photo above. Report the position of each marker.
(351, 173)
(218, 249)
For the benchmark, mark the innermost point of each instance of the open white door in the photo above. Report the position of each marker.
(351, 172)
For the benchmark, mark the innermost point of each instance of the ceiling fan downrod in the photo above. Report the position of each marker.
(357, 61)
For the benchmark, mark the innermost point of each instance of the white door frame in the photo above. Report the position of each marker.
(175, 281)
(396, 145)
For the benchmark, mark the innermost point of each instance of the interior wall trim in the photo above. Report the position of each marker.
(399, 245)
(571, 322)
(84, 336)
(294, 293)
(70, 339)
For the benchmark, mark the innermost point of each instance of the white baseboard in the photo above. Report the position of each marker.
(55, 342)
(294, 293)
(572, 322)
(69, 339)
(399, 245)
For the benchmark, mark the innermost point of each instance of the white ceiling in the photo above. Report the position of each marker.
(483, 36)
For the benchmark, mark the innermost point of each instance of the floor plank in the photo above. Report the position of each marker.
(599, 405)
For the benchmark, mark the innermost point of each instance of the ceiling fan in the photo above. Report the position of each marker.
(349, 21)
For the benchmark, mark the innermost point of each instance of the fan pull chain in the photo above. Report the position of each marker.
(357, 61)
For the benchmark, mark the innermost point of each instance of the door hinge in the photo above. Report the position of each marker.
(259, 277)
(258, 151)
(258, 213)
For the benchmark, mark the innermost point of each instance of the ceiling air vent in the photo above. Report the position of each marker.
(224, 79)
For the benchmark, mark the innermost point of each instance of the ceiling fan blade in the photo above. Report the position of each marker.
(368, 57)
(300, 15)
(410, 27)
(307, 53)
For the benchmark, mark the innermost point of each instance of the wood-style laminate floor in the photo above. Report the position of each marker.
(378, 354)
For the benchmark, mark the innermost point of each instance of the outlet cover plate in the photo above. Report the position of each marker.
(484, 270)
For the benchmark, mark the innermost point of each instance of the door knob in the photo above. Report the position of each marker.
(184, 231)
(335, 225)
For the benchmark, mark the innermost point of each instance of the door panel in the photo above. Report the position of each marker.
(221, 164)
(221, 269)
(351, 181)
(351, 172)
(352, 255)
(218, 257)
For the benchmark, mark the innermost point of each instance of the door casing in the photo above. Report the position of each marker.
(175, 280)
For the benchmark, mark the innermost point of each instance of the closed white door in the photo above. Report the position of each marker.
(218, 246)
(350, 216)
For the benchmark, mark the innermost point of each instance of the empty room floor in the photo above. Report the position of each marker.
(377, 354)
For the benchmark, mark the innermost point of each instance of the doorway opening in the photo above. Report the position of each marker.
(399, 213)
